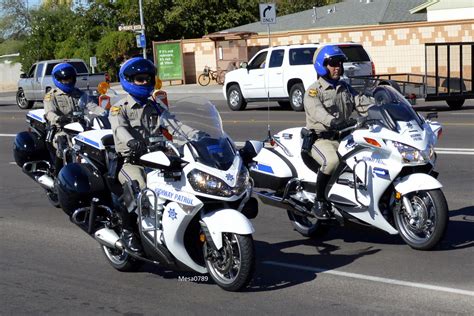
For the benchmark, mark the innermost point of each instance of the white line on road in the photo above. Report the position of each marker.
(373, 278)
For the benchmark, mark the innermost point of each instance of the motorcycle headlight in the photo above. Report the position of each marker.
(414, 156)
(209, 184)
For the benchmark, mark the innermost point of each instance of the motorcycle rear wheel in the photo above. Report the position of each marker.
(311, 228)
(234, 269)
(429, 224)
(121, 260)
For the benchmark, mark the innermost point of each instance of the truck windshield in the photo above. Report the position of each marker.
(354, 53)
(79, 66)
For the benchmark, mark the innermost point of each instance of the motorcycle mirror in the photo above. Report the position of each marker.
(250, 150)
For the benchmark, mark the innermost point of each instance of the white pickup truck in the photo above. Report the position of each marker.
(283, 73)
(33, 85)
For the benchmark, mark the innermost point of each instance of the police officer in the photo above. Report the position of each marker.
(329, 103)
(61, 102)
(133, 119)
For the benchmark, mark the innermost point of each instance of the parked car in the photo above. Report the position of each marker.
(33, 85)
(283, 73)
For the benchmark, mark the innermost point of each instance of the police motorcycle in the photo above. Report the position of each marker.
(33, 150)
(190, 216)
(385, 178)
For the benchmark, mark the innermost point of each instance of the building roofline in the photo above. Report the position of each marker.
(423, 6)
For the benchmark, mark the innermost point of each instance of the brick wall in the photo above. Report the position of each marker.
(395, 48)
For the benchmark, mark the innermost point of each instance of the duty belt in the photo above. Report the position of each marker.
(331, 135)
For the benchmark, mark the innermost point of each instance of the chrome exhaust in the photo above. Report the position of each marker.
(109, 238)
(46, 181)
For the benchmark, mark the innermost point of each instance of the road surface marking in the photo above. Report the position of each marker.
(373, 278)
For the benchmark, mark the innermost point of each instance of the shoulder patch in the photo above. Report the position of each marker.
(47, 97)
(115, 110)
(313, 92)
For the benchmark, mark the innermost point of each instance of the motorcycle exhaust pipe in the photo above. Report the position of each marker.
(109, 238)
(46, 182)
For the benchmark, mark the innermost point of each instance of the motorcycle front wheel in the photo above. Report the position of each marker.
(426, 228)
(233, 268)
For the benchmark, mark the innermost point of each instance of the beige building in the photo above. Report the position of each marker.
(394, 32)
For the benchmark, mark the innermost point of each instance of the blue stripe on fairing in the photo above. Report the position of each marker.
(265, 168)
(89, 141)
(36, 117)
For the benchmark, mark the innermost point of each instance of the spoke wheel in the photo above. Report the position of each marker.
(232, 266)
(428, 224)
(21, 100)
(204, 80)
(296, 97)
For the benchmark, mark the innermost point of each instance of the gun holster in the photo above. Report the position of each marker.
(309, 137)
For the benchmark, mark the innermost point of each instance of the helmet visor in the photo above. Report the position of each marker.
(135, 68)
(335, 61)
(66, 74)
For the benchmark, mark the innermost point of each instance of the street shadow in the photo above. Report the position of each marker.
(279, 267)
(460, 231)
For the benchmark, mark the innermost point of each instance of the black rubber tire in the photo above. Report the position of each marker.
(455, 104)
(247, 264)
(21, 100)
(204, 80)
(123, 262)
(441, 222)
(235, 99)
(297, 97)
(307, 228)
(286, 105)
(53, 198)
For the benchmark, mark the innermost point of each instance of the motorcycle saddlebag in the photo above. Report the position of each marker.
(77, 184)
(29, 147)
(272, 171)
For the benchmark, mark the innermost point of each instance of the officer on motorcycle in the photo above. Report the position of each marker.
(329, 103)
(59, 105)
(133, 119)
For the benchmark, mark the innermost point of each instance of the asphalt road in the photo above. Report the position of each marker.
(49, 266)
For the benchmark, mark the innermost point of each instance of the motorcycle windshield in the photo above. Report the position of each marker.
(391, 107)
(195, 121)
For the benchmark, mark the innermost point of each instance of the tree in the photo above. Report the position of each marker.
(14, 20)
(114, 48)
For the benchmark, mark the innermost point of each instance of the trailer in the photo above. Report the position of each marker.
(449, 69)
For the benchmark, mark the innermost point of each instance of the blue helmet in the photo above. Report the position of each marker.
(130, 69)
(324, 55)
(64, 71)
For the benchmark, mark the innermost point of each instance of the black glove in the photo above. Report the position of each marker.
(63, 120)
(137, 147)
(335, 125)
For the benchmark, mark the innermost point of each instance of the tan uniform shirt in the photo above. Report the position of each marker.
(129, 120)
(323, 103)
(57, 103)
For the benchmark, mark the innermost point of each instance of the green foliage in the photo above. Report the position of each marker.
(14, 19)
(112, 49)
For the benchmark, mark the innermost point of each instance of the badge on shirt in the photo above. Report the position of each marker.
(115, 110)
(312, 92)
(47, 97)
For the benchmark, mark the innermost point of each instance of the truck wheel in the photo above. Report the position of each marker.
(455, 104)
(296, 97)
(21, 100)
(235, 99)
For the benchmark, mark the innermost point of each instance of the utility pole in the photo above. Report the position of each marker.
(142, 22)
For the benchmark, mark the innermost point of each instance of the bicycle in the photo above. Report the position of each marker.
(208, 74)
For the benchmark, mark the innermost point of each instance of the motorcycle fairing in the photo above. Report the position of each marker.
(416, 182)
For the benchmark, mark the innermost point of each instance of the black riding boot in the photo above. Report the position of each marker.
(321, 207)
(129, 220)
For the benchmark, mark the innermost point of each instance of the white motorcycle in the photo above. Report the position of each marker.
(191, 214)
(385, 178)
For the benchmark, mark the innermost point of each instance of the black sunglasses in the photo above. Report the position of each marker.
(141, 78)
(335, 62)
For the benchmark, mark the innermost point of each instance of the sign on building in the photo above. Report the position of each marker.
(169, 60)
(267, 13)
